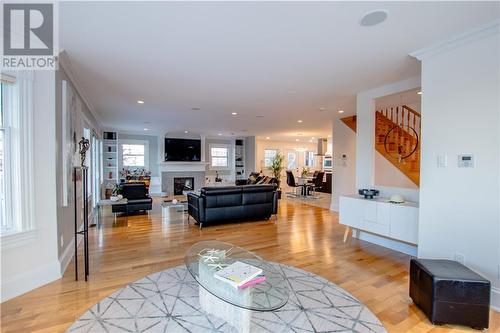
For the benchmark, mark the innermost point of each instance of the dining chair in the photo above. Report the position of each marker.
(290, 181)
(317, 183)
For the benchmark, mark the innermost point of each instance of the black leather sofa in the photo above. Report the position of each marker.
(233, 203)
(137, 199)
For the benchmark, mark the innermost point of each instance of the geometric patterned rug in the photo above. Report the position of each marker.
(167, 301)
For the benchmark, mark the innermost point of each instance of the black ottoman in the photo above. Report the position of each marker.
(450, 293)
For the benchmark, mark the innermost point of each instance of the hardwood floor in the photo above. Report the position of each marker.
(304, 236)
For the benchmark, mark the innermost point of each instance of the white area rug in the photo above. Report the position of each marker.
(167, 301)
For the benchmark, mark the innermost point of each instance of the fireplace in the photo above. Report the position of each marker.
(168, 180)
(183, 184)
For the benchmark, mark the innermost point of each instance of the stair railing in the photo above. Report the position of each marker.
(404, 116)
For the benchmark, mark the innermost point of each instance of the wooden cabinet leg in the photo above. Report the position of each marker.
(346, 233)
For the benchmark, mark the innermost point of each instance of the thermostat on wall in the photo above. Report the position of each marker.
(466, 161)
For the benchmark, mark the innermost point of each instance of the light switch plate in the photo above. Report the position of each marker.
(442, 161)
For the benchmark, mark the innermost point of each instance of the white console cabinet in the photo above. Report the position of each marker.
(378, 216)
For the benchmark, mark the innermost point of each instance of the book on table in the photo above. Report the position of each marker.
(238, 273)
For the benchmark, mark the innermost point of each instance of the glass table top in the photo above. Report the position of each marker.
(205, 258)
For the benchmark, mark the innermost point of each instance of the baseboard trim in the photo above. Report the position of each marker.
(334, 204)
(392, 244)
(68, 254)
(27, 281)
(495, 299)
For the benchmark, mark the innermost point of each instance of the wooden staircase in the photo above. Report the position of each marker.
(350, 122)
(397, 134)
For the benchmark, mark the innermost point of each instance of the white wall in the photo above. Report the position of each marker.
(386, 174)
(344, 171)
(227, 175)
(34, 262)
(152, 154)
(250, 156)
(459, 208)
(365, 142)
(65, 214)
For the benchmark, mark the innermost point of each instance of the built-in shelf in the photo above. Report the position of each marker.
(239, 159)
(110, 155)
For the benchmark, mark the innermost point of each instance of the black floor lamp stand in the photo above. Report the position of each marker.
(83, 171)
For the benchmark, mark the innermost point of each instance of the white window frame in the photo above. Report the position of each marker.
(20, 154)
(145, 143)
(7, 164)
(296, 160)
(229, 155)
(306, 159)
(276, 152)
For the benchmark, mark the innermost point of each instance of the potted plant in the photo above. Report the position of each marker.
(305, 171)
(277, 166)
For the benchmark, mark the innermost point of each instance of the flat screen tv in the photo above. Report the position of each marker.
(182, 150)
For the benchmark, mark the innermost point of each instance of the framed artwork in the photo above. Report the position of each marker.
(70, 128)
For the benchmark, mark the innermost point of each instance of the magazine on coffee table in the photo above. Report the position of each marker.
(238, 273)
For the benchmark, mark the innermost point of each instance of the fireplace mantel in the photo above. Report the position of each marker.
(182, 166)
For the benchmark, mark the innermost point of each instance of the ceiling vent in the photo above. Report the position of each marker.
(322, 146)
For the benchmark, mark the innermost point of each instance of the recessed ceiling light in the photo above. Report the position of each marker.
(299, 121)
(341, 111)
(219, 134)
(186, 132)
(234, 113)
(312, 138)
(322, 108)
(374, 17)
(145, 129)
(195, 109)
(296, 139)
(329, 135)
(419, 92)
(140, 102)
(267, 138)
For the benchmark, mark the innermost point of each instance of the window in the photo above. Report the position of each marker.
(4, 225)
(291, 161)
(309, 158)
(16, 156)
(219, 156)
(135, 154)
(269, 155)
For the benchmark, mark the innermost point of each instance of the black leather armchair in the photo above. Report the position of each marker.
(137, 199)
(233, 203)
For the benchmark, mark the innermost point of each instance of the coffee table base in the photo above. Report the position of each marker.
(235, 316)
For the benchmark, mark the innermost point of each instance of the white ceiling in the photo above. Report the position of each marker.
(280, 60)
(408, 97)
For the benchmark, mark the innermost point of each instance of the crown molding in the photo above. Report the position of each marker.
(65, 63)
(486, 30)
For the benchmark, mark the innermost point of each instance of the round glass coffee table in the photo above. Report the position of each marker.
(219, 298)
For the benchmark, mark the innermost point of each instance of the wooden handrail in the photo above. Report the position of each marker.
(412, 111)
